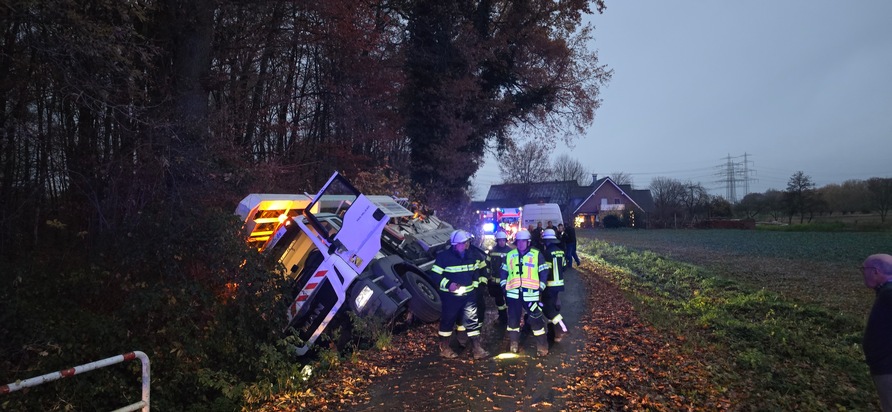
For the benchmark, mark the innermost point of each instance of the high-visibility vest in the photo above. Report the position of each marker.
(523, 274)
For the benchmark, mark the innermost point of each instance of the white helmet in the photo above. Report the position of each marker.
(549, 234)
(459, 236)
(501, 235)
(522, 234)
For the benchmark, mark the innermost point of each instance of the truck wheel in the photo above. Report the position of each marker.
(425, 303)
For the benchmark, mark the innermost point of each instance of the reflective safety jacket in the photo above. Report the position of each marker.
(451, 267)
(554, 255)
(522, 274)
(494, 260)
(481, 259)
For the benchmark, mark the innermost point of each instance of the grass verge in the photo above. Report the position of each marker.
(771, 353)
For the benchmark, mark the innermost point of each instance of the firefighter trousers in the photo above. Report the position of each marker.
(517, 308)
(459, 308)
(551, 305)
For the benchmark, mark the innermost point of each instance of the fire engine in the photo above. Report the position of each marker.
(495, 219)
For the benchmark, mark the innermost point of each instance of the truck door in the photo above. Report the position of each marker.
(358, 238)
(345, 252)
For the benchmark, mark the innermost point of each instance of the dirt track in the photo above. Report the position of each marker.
(611, 361)
(523, 383)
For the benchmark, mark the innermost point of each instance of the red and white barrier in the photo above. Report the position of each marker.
(142, 405)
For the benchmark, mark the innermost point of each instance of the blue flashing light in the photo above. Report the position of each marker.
(489, 227)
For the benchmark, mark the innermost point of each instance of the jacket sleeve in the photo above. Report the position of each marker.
(437, 275)
(482, 276)
(544, 271)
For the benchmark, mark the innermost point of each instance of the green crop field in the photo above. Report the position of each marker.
(776, 317)
(819, 267)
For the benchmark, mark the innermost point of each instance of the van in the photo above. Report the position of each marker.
(541, 212)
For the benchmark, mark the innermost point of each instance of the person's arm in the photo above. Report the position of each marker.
(544, 271)
(437, 276)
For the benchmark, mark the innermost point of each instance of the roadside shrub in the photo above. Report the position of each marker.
(182, 287)
(612, 222)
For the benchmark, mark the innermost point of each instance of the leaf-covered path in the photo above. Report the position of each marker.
(611, 361)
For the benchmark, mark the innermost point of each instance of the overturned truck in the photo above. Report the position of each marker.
(344, 251)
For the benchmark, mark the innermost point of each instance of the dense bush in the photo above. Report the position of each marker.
(612, 222)
(187, 292)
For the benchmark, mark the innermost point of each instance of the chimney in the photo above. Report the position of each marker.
(594, 178)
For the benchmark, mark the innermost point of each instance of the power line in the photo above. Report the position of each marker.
(734, 172)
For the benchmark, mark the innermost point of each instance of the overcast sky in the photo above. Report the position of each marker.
(792, 84)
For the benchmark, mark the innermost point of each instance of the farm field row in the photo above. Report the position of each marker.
(775, 318)
(814, 267)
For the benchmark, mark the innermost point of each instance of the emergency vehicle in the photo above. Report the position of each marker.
(495, 219)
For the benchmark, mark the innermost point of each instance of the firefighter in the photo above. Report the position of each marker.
(522, 278)
(456, 273)
(551, 300)
(494, 260)
(480, 260)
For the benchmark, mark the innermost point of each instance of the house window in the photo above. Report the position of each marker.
(603, 203)
(616, 201)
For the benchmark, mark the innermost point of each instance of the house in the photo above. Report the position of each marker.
(606, 198)
(582, 204)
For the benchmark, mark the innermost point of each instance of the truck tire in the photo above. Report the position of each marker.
(425, 303)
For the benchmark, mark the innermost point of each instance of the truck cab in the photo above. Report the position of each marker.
(329, 247)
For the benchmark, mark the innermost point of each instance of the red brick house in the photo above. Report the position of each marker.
(607, 198)
(582, 204)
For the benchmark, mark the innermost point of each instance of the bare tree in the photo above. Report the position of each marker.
(800, 195)
(774, 203)
(667, 193)
(567, 168)
(881, 193)
(527, 164)
(751, 205)
(621, 178)
(695, 199)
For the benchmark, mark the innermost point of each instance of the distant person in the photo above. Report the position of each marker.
(560, 236)
(537, 235)
(877, 344)
(550, 225)
(570, 245)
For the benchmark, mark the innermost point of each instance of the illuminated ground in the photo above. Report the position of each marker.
(611, 361)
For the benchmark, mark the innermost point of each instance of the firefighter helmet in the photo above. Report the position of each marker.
(501, 235)
(522, 234)
(549, 234)
(459, 236)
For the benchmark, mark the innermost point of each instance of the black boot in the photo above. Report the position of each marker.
(445, 350)
(514, 341)
(542, 345)
(477, 348)
(560, 330)
(462, 337)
